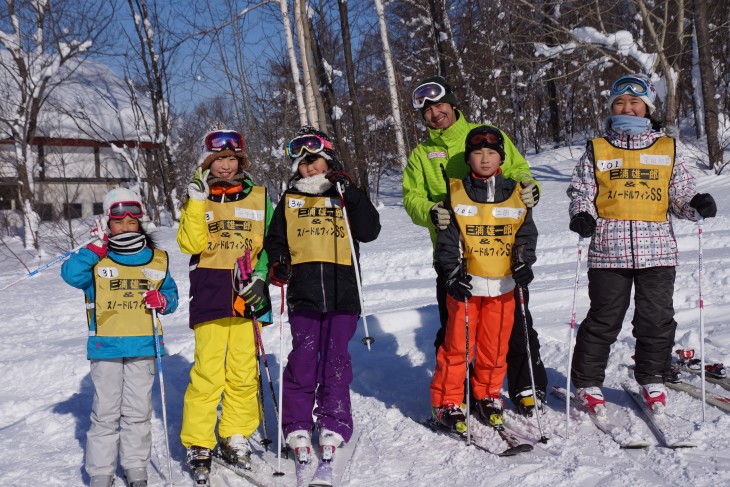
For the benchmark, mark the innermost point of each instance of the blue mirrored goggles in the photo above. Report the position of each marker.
(432, 92)
(629, 84)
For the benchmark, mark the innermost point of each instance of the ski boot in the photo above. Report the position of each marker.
(236, 450)
(655, 397)
(592, 399)
(329, 441)
(300, 441)
(716, 370)
(490, 410)
(673, 375)
(449, 416)
(101, 481)
(199, 459)
(136, 477)
(526, 402)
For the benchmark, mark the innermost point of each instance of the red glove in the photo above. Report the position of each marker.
(98, 246)
(154, 299)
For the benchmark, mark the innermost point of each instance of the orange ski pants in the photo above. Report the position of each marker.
(490, 326)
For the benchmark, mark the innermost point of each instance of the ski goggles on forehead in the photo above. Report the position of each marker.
(218, 141)
(313, 144)
(432, 92)
(629, 84)
(119, 210)
(485, 137)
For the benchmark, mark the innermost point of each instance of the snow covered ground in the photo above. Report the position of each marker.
(46, 396)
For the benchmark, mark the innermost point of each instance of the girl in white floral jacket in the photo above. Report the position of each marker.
(622, 192)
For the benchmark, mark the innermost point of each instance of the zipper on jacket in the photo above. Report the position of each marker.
(321, 284)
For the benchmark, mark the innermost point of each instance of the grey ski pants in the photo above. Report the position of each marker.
(121, 415)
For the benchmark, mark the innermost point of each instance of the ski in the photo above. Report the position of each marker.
(610, 425)
(714, 373)
(329, 472)
(515, 445)
(672, 431)
(305, 472)
(252, 472)
(721, 402)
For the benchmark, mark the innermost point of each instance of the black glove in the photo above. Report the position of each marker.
(280, 272)
(522, 274)
(341, 177)
(583, 224)
(705, 205)
(458, 286)
(254, 293)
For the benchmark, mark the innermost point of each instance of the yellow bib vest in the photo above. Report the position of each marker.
(119, 295)
(233, 228)
(488, 230)
(315, 229)
(633, 184)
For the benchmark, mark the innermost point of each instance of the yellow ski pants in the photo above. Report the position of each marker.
(225, 364)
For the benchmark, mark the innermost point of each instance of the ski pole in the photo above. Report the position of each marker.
(702, 308)
(468, 385)
(538, 415)
(368, 340)
(158, 356)
(280, 434)
(260, 347)
(48, 264)
(570, 339)
(266, 441)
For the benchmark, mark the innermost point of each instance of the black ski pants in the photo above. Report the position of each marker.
(609, 291)
(518, 368)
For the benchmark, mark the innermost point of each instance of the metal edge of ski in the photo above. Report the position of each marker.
(248, 474)
(614, 431)
(660, 423)
(721, 402)
(514, 445)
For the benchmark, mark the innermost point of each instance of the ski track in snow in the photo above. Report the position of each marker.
(47, 393)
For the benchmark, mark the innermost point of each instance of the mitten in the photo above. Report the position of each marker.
(339, 177)
(705, 205)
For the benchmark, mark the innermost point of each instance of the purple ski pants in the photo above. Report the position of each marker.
(319, 372)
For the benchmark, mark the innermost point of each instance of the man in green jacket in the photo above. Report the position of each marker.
(424, 192)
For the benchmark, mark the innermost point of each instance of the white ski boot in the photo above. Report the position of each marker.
(300, 441)
(329, 441)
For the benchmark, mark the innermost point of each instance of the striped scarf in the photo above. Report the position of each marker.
(127, 243)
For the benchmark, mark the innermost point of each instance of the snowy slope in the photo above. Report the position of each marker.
(46, 395)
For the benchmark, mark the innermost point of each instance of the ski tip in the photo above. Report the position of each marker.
(516, 450)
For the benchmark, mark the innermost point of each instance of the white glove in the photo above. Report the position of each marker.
(530, 193)
(98, 232)
(440, 216)
(198, 188)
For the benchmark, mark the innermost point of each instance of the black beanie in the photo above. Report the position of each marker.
(485, 130)
(449, 97)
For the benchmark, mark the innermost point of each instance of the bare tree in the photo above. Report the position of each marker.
(40, 40)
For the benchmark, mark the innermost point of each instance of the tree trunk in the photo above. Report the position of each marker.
(359, 161)
(312, 117)
(392, 87)
(301, 109)
(708, 84)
